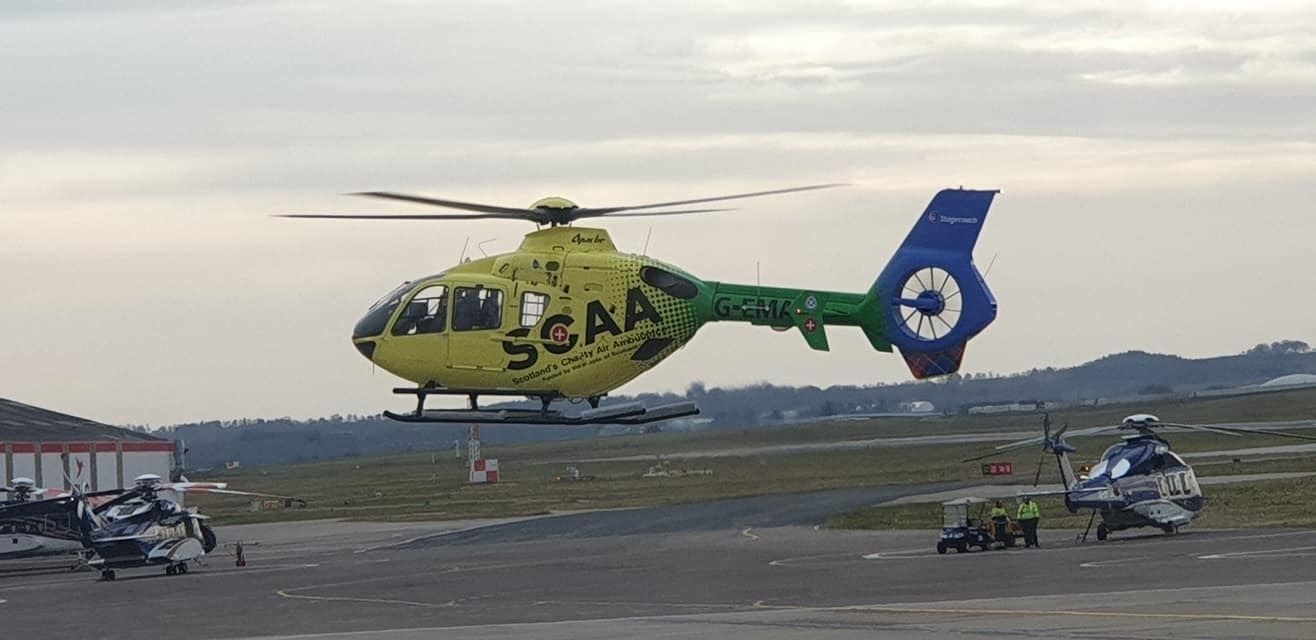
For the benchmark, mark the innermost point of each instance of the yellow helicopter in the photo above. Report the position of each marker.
(569, 317)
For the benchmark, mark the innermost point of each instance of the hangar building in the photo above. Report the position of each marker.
(60, 450)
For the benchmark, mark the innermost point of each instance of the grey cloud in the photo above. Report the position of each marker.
(142, 147)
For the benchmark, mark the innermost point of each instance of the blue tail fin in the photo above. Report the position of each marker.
(932, 297)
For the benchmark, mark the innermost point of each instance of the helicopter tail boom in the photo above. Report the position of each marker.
(931, 298)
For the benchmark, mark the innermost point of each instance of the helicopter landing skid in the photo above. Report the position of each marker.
(629, 413)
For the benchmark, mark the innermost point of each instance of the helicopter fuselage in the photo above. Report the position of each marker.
(1139, 483)
(568, 315)
(152, 532)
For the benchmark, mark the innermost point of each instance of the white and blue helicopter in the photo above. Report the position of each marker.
(145, 525)
(148, 526)
(35, 521)
(1138, 482)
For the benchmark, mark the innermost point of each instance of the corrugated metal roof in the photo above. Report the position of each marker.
(25, 423)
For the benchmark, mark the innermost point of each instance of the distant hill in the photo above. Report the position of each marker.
(1120, 376)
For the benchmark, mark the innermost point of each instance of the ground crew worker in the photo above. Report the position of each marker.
(1028, 516)
(1000, 523)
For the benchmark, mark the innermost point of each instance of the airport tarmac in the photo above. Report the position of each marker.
(755, 567)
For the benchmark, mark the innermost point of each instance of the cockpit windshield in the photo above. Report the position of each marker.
(373, 323)
(1120, 459)
(376, 319)
(394, 295)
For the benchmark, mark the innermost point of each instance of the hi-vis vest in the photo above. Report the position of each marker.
(1028, 511)
(999, 512)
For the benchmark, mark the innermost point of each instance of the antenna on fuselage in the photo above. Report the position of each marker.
(991, 264)
(464, 245)
(758, 291)
(647, 235)
(480, 246)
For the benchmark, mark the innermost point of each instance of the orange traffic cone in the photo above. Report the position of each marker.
(242, 559)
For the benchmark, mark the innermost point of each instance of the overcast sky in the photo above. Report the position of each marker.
(1156, 162)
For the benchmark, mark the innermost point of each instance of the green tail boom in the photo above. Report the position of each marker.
(810, 311)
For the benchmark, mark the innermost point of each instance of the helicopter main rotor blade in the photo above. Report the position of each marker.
(126, 496)
(1238, 431)
(700, 200)
(450, 204)
(551, 215)
(523, 215)
(737, 196)
(229, 492)
(1198, 427)
(192, 486)
(593, 213)
(1040, 439)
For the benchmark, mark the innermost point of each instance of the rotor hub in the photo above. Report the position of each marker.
(553, 202)
(929, 303)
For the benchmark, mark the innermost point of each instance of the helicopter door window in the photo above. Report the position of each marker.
(477, 308)
(533, 306)
(426, 313)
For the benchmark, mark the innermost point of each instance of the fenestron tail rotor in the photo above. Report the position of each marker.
(550, 211)
(930, 301)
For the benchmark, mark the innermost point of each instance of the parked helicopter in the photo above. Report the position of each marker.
(568, 316)
(37, 522)
(146, 526)
(1138, 482)
(119, 528)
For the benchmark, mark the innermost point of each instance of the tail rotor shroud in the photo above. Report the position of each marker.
(935, 297)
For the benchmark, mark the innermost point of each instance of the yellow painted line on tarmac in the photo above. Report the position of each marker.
(408, 603)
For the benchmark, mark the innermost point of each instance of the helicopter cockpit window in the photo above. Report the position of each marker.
(427, 312)
(1120, 468)
(533, 306)
(477, 308)
(373, 323)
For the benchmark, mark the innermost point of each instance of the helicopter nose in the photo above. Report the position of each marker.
(367, 348)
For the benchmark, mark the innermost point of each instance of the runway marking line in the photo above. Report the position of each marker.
(1236, 617)
(1108, 563)
(748, 533)
(1259, 553)
(734, 607)
(428, 605)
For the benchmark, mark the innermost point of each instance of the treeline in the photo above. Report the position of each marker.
(275, 441)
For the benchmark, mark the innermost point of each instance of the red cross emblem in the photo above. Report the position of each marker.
(559, 333)
(810, 325)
